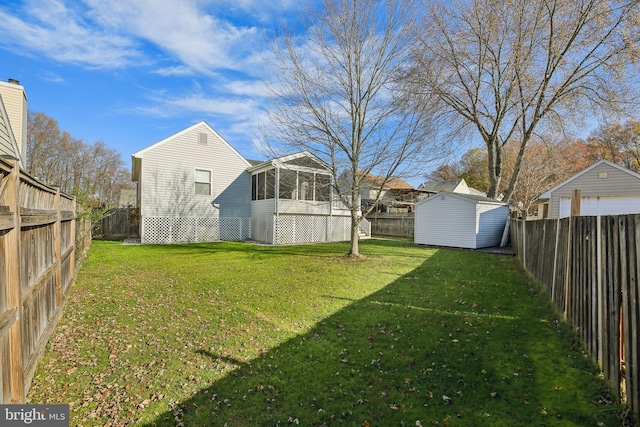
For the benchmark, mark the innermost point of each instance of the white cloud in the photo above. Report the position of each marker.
(162, 104)
(180, 37)
(182, 29)
(49, 28)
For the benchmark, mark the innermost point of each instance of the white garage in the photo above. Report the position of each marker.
(605, 189)
(601, 205)
(460, 220)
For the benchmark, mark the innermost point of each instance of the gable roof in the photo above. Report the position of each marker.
(547, 194)
(280, 161)
(140, 154)
(447, 185)
(467, 197)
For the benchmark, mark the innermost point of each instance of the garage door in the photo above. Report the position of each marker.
(602, 206)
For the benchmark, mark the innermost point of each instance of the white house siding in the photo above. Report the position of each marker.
(15, 102)
(490, 222)
(445, 220)
(593, 184)
(287, 206)
(168, 173)
(6, 144)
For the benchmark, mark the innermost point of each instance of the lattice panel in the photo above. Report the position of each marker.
(231, 229)
(246, 228)
(156, 230)
(207, 230)
(290, 229)
(301, 229)
(340, 228)
(193, 229)
(183, 230)
(285, 230)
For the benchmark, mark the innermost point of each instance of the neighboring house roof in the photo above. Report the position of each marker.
(391, 184)
(478, 192)
(449, 185)
(8, 144)
(547, 194)
(458, 185)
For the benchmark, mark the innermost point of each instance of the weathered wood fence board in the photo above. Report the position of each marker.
(118, 222)
(589, 268)
(37, 265)
(392, 224)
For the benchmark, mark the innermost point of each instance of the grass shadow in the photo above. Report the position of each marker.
(461, 340)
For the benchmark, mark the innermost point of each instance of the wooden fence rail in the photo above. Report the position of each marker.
(392, 224)
(589, 268)
(37, 267)
(117, 222)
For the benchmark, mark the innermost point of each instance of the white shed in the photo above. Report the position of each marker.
(460, 220)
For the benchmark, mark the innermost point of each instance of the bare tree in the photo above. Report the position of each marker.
(505, 69)
(618, 143)
(543, 166)
(337, 96)
(94, 173)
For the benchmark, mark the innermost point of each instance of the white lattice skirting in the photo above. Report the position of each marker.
(312, 229)
(288, 229)
(194, 229)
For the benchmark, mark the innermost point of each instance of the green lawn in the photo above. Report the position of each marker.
(239, 334)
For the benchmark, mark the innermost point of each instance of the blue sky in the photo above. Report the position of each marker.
(132, 72)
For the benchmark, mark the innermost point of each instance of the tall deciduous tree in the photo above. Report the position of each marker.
(506, 69)
(337, 96)
(94, 173)
(618, 143)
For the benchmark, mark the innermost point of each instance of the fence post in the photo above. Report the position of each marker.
(14, 294)
(567, 276)
(600, 293)
(555, 260)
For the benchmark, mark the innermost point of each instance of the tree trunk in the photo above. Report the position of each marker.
(494, 160)
(354, 249)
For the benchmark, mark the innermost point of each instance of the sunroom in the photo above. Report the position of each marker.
(292, 201)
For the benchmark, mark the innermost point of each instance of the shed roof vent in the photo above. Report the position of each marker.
(14, 81)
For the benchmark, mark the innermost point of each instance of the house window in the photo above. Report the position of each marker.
(203, 182)
(202, 138)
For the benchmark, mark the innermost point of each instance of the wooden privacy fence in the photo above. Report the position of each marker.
(118, 222)
(589, 268)
(392, 224)
(37, 267)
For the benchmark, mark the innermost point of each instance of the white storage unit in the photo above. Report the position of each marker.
(460, 220)
(605, 189)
